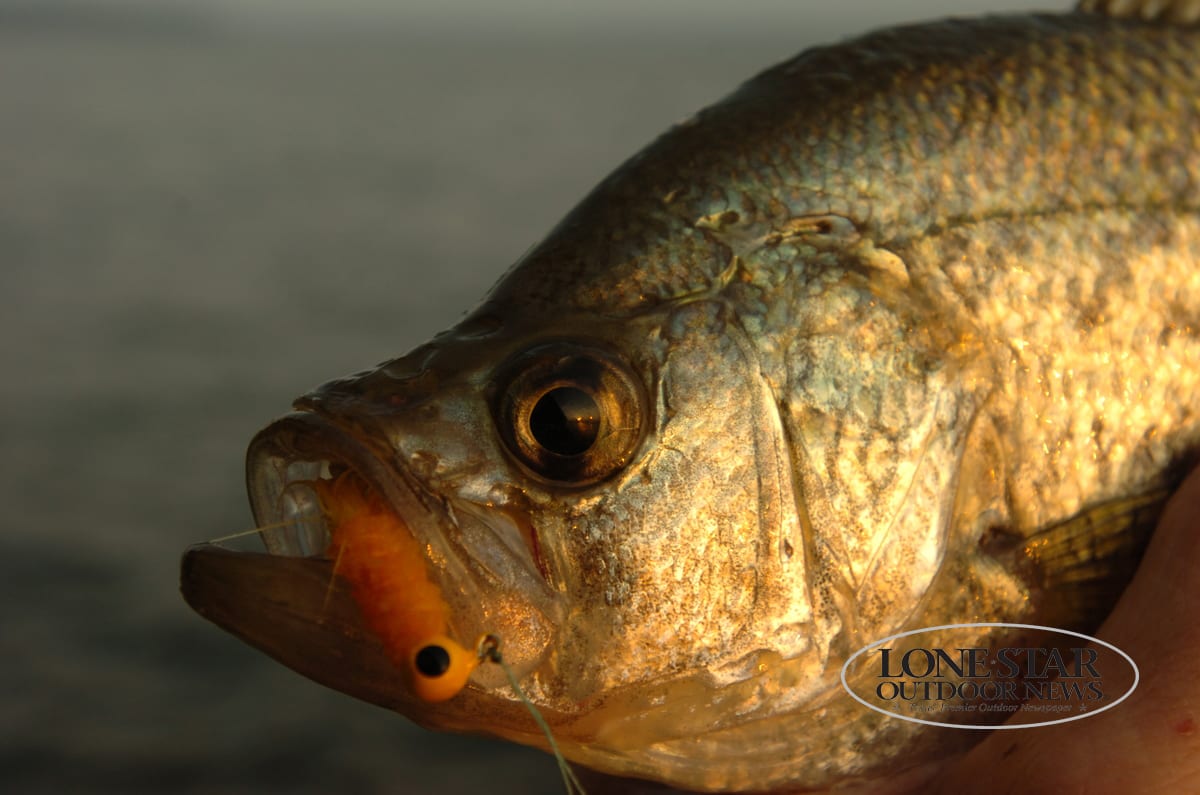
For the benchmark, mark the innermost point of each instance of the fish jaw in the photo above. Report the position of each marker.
(294, 610)
(292, 604)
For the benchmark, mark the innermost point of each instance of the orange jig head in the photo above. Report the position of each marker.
(384, 565)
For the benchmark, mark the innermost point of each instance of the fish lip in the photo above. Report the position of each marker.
(279, 454)
(294, 610)
(304, 445)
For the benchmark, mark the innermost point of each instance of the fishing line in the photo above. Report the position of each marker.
(356, 522)
(250, 532)
(489, 649)
(332, 581)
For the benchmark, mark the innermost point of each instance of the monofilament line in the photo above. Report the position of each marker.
(489, 649)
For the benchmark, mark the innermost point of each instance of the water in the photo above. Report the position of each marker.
(196, 225)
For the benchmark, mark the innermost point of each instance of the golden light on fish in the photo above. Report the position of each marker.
(856, 351)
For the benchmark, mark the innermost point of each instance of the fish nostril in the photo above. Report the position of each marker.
(411, 365)
(423, 463)
(478, 326)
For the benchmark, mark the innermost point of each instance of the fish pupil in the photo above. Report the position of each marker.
(433, 661)
(565, 421)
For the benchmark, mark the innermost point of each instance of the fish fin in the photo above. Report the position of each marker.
(1085, 562)
(1185, 12)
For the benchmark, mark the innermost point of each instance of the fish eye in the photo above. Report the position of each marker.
(569, 414)
(565, 420)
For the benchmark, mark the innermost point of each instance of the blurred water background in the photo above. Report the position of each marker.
(207, 208)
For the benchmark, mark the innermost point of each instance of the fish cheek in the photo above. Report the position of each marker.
(670, 554)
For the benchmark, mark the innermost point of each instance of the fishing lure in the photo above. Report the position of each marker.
(383, 563)
(375, 553)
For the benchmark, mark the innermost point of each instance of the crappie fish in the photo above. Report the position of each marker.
(904, 332)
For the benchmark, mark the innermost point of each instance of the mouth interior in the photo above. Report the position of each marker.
(299, 504)
(316, 499)
(473, 556)
(304, 531)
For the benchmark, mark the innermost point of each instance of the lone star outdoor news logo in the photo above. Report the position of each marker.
(1062, 676)
(934, 679)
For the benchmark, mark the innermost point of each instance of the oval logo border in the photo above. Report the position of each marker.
(1137, 676)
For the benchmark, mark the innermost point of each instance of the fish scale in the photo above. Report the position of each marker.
(1104, 374)
(904, 131)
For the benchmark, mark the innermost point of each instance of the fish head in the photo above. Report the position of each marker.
(639, 464)
(475, 440)
(619, 475)
(588, 488)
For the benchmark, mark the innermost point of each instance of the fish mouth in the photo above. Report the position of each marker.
(290, 602)
(290, 455)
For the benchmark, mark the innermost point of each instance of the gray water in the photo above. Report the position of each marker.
(199, 222)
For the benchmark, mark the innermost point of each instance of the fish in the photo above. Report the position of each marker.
(903, 332)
